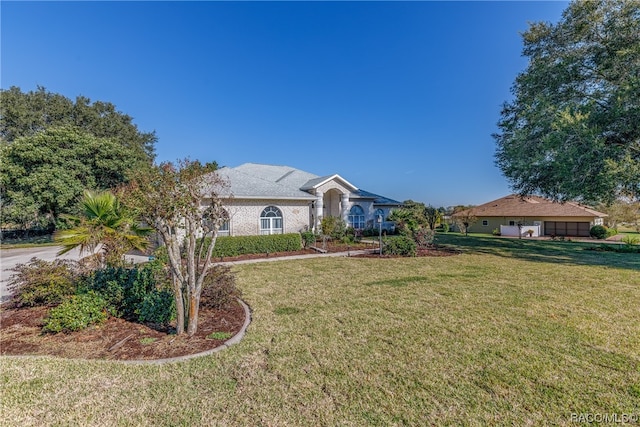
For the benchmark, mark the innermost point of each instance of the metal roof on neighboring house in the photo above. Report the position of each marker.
(532, 206)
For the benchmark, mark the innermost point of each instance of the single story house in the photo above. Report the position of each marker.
(515, 215)
(268, 199)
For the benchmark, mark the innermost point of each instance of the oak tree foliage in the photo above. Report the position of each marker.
(572, 130)
(52, 149)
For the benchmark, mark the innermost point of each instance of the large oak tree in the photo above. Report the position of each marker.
(52, 149)
(572, 130)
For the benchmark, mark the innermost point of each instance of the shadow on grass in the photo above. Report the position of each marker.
(559, 252)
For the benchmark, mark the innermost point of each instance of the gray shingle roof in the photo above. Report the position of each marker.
(255, 181)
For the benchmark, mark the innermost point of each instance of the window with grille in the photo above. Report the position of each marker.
(271, 221)
(356, 217)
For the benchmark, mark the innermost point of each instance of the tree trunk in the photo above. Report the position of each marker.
(177, 292)
(194, 308)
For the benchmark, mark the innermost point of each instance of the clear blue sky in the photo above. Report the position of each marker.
(399, 98)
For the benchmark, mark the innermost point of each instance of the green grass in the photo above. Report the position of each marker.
(219, 335)
(509, 333)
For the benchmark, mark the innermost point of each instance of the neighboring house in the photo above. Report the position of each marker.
(266, 199)
(514, 215)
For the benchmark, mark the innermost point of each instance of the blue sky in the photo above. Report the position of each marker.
(399, 98)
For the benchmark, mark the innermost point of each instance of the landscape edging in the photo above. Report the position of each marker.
(231, 341)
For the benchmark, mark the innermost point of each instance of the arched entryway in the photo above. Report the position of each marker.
(331, 201)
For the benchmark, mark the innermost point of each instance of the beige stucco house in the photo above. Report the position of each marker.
(268, 199)
(544, 217)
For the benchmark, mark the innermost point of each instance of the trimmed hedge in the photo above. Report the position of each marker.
(227, 246)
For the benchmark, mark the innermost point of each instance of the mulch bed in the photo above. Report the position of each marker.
(115, 339)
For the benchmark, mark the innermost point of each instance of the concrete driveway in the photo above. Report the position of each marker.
(9, 258)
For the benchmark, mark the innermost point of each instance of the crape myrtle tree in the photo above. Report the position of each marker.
(572, 130)
(182, 202)
(464, 218)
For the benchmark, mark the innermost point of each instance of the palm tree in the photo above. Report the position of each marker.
(106, 224)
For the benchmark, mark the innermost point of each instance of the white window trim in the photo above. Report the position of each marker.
(271, 220)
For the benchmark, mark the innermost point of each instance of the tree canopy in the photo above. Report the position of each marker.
(27, 113)
(52, 149)
(572, 130)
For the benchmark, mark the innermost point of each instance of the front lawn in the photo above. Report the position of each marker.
(511, 332)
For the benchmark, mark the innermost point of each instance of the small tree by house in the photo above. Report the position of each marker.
(182, 202)
(433, 216)
(464, 220)
(409, 218)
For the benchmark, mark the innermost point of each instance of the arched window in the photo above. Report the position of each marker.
(378, 213)
(356, 217)
(271, 221)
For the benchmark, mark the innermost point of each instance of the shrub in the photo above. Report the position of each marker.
(598, 232)
(401, 245)
(227, 246)
(333, 226)
(445, 227)
(158, 307)
(219, 288)
(76, 313)
(612, 231)
(424, 237)
(43, 283)
(123, 289)
(631, 240)
(308, 238)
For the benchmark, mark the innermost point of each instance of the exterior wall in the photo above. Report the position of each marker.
(387, 226)
(496, 222)
(515, 231)
(245, 215)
